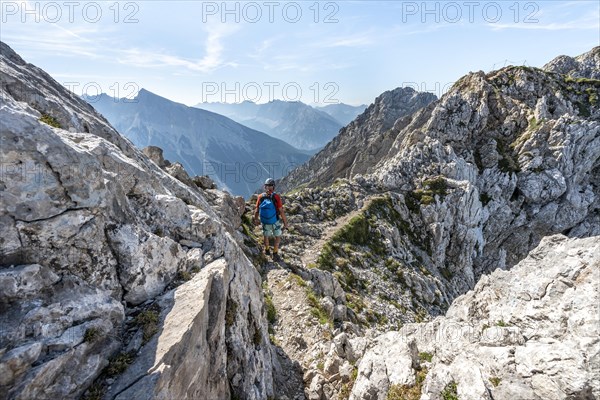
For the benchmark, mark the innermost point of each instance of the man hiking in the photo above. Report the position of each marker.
(270, 209)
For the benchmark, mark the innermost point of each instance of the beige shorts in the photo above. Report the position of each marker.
(272, 230)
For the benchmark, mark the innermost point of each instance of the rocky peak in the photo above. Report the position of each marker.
(344, 156)
(586, 65)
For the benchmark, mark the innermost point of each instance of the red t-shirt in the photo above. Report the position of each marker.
(276, 200)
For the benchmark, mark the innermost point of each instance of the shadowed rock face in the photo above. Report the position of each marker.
(92, 231)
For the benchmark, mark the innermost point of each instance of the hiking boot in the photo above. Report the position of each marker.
(267, 252)
(276, 257)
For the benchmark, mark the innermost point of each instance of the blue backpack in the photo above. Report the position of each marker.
(267, 210)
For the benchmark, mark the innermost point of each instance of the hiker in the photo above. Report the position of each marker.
(270, 209)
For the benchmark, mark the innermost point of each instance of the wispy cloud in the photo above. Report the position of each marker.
(97, 41)
(548, 27)
(357, 40)
(211, 60)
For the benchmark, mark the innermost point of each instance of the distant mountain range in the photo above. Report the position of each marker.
(298, 124)
(238, 158)
(343, 113)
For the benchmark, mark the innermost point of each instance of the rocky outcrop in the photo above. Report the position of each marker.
(96, 239)
(212, 320)
(501, 161)
(528, 333)
(585, 66)
(361, 144)
(468, 184)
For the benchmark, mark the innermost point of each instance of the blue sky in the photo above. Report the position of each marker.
(316, 52)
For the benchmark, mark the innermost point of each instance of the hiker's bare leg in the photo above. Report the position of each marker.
(266, 243)
(276, 246)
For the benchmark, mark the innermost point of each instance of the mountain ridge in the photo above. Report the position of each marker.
(342, 156)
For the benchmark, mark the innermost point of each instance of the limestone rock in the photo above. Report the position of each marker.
(344, 155)
(531, 332)
(201, 320)
(177, 170)
(584, 66)
(204, 182)
(156, 154)
(24, 281)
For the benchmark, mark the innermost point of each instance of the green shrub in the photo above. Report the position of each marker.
(507, 163)
(326, 259)
(50, 120)
(356, 231)
(298, 279)
(446, 273)
(91, 335)
(347, 387)
(406, 392)
(148, 321)
(316, 310)
(184, 275)
(413, 202)
(437, 185)
(94, 392)
(449, 392)
(257, 339)
(271, 311)
(118, 364)
(230, 312)
(484, 198)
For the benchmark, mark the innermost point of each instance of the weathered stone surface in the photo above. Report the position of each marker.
(584, 66)
(531, 332)
(204, 182)
(199, 324)
(389, 361)
(147, 263)
(177, 170)
(24, 281)
(156, 155)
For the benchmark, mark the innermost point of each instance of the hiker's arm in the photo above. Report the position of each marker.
(283, 217)
(255, 219)
(256, 214)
